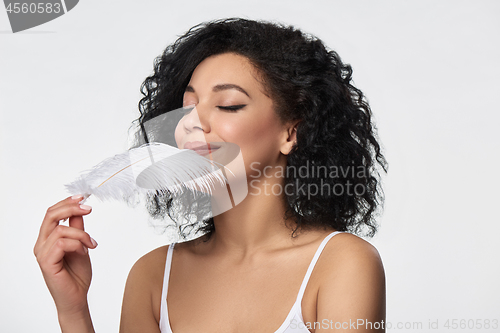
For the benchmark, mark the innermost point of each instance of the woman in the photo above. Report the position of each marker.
(279, 260)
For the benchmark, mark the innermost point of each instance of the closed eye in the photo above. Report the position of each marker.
(232, 107)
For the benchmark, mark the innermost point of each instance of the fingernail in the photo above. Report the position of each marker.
(85, 249)
(85, 207)
(77, 197)
(93, 241)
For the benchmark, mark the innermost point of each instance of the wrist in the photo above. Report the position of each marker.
(76, 321)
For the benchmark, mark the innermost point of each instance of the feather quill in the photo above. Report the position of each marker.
(147, 169)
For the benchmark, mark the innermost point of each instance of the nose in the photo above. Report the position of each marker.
(192, 122)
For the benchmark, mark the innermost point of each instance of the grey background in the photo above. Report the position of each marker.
(69, 90)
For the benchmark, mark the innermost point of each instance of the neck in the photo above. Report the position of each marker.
(256, 223)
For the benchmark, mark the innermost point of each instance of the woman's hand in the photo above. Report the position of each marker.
(62, 253)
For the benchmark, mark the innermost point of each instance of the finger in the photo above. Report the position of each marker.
(54, 215)
(62, 231)
(52, 262)
(76, 222)
(72, 199)
(75, 198)
(80, 198)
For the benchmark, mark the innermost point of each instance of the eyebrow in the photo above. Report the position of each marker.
(221, 87)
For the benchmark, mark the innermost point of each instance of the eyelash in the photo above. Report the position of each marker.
(232, 108)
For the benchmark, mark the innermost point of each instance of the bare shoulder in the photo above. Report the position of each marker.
(151, 264)
(142, 296)
(346, 252)
(351, 281)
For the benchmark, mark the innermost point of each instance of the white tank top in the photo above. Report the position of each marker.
(294, 323)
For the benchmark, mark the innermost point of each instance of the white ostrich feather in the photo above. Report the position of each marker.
(147, 169)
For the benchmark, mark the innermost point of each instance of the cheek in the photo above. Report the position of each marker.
(245, 129)
(257, 139)
(232, 131)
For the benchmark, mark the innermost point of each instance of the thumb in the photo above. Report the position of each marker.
(76, 222)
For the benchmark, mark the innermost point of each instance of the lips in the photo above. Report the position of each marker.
(201, 148)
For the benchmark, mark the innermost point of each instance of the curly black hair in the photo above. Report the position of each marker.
(308, 83)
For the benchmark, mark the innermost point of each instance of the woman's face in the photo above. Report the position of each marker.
(231, 108)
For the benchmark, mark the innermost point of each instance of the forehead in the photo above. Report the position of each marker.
(227, 68)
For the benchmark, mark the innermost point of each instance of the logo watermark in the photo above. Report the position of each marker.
(431, 324)
(24, 15)
(323, 185)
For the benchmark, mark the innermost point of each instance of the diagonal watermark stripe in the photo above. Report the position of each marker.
(24, 15)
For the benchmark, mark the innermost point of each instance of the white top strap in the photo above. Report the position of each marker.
(164, 320)
(312, 264)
